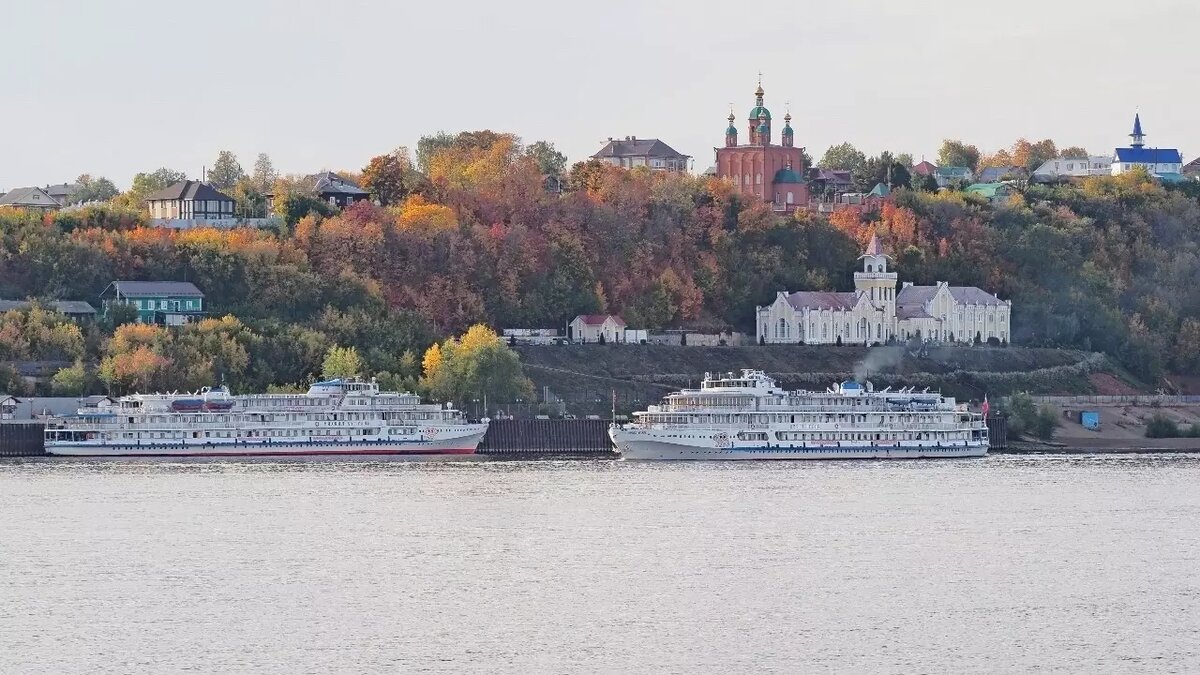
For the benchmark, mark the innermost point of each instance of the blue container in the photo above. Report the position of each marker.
(1090, 420)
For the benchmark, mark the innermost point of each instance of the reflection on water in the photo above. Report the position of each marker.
(1009, 563)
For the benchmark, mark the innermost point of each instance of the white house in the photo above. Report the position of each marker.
(1093, 165)
(589, 328)
(874, 312)
(1159, 162)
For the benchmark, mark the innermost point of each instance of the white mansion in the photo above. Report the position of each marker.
(874, 312)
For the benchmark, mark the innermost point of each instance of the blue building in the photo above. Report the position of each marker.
(1162, 163)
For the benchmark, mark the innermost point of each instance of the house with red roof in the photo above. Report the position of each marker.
(593, 327)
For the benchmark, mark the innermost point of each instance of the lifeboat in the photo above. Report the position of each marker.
(187, 405)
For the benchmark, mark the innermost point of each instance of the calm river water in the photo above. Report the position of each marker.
(1006, 564)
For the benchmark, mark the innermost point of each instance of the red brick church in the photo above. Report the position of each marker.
(759, 167)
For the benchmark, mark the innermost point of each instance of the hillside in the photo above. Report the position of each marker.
(585, 376)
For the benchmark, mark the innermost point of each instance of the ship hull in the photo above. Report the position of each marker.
(460, 445)
(644, 446)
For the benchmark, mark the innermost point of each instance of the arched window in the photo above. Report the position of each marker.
(870, 268)
(758, 179)
(783, 328)
(790, 200)
(747, 179)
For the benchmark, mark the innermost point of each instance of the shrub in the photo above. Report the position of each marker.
(1161, 426)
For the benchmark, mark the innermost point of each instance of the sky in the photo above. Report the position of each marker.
(121, 86)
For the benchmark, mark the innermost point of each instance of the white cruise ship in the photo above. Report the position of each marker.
(336, 417)
(747, 416)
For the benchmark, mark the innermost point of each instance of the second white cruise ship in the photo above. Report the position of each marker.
(746, 416)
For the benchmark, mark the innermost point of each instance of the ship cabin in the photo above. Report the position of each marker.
(749, 381)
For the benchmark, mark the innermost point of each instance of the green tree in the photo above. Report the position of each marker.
(843, 156)
(94, 189)
(550, 161)
(148, 183)
(957, 153)
(226, 171)
(1073, 152)
(476, 366)
(70, 381)
(264, 176)
(342, 362)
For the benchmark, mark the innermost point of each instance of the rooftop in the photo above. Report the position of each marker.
(191, 190)
(155, 288)
(638, 147)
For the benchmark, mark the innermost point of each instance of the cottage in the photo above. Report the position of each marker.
(945, 175)
(1192, 169)
(168, 303)
(75, 309)
(1062, 167)
(337, 190)
(63, 193)
(591, 327)
(189, 200)
(29, 198)
(648, 152)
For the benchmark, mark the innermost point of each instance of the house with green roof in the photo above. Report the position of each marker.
(945, 175)
(993, 192)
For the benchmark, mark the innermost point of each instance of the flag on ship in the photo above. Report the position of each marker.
(985, 407)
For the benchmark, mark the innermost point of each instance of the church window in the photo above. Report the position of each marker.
(870, 268)
(790, 200)
(825, 330)
(748, 179)
(878, 331)
(758, 179)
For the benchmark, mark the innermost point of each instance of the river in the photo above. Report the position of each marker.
(1085, 564)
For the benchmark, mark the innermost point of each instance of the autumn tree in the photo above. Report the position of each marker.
(342, 362)
(476, 366)
(390, 178)
(1031, 155)
(1073, 152)
(957, 153)
(226, 171)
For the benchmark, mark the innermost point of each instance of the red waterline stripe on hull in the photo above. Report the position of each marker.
(296, 453)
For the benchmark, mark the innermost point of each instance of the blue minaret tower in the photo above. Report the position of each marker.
(1137, 135)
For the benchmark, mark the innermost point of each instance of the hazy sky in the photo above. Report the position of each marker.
(115, 87)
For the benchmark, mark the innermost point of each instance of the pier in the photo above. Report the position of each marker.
(22, 439)
(542, 438)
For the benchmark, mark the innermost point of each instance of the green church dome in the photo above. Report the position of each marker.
(787, 176)
(758, 109)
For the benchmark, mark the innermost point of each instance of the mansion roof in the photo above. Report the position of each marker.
(638, 147)
(963, 295)
(822, 300)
